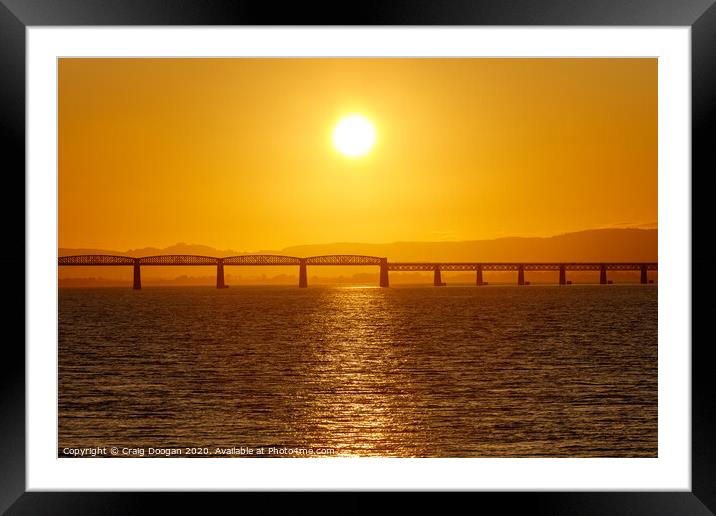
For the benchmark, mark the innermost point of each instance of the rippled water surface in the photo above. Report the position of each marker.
(497, 371)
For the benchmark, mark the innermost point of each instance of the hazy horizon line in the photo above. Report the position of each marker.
(614, 227)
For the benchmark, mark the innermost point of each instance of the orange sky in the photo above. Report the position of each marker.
(237, 153)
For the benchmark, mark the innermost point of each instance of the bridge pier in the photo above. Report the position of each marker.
(562, 275)
(302, 274)
(644, 276)
(520, 274)
(137, 284)
(437, 279)
(220, 274)
(478, 276)
(384, 280)
(602, 274)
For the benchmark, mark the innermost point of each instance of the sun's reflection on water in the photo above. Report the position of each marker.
(360, 386)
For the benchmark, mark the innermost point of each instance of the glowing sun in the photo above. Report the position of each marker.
(354, 136)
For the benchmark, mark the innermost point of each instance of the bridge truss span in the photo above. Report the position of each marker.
(261, 259)
(178, 259)
(631, 266)
(95, 259)
(344, 259)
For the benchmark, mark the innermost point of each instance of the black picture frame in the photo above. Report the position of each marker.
(17, 15)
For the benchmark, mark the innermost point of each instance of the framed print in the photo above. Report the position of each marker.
(414, 250)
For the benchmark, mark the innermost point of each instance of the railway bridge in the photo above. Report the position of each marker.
(350, 259)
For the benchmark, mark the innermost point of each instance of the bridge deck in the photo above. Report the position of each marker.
(516, 266)
(347, 260)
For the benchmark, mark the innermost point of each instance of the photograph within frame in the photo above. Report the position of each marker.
(444, 154)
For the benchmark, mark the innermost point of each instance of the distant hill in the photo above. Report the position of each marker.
(593, 245)
(180, 248)
(610, 245)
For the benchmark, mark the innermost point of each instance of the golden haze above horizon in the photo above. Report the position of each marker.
(238, 153)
